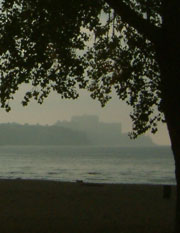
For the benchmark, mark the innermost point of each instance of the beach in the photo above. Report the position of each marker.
(37, 206)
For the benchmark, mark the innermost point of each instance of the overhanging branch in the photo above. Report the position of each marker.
(136, 21)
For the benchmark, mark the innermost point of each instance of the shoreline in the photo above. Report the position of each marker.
(43, 206)
(84, 182)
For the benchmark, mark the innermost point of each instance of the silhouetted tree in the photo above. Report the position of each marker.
(132, 46)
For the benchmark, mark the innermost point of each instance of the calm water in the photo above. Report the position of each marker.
(90, 164)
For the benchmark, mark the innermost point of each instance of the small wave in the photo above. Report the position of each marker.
(94, 173)
(53, 173)
(96, 179)
(161, 181)
(16, 172)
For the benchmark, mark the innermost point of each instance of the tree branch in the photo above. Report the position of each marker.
(129, 16)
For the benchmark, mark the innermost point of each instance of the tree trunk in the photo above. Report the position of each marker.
(168, 55)
(173, 124)
(171, 108)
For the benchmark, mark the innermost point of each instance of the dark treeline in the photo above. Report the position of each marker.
(16, 134)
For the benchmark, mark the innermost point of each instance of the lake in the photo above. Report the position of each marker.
(99, 164)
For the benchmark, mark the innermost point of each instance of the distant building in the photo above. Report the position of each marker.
(101, 133)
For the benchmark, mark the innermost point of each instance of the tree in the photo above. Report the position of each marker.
(131, 46)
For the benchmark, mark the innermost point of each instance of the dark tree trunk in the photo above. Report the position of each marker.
(171, 108)
(168, 53)
(172, 116)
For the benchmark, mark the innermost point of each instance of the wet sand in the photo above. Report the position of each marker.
(28, 206)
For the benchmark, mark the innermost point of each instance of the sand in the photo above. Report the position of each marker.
(28, 206)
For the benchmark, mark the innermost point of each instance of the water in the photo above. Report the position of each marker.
(153, 165)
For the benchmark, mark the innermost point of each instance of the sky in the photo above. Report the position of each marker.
(54, 109)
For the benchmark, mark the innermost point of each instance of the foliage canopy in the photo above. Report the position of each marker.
(66, 45)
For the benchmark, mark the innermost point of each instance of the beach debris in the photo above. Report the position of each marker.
(79, 181)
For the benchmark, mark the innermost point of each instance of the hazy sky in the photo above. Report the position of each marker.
(54, 109)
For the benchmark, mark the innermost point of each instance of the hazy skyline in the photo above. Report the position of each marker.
(54, 108)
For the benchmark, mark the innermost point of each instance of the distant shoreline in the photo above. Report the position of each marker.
(81, 130)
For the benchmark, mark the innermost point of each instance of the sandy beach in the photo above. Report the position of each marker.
(30, 206)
